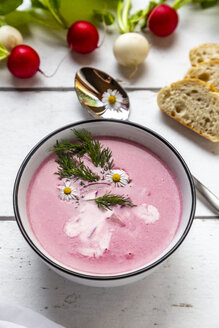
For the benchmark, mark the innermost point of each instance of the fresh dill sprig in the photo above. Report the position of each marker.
(100, 156)
(68, 147)
(70, 167)
(69, 157)
(106, 201)
(84, 136)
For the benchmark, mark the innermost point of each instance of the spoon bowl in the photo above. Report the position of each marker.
(101, 95)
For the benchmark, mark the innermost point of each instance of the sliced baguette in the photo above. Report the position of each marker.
(193, 103)
(206, 71)
(203, 53)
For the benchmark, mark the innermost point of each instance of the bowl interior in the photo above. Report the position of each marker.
(125, 130)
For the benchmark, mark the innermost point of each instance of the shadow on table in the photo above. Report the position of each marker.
(141, 304)
(86, 60)
(161, 43)
(15, 82)
(128, 71)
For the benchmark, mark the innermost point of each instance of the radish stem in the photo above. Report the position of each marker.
(119, 15)
(125, 14)
(3, 52)
(180, 3)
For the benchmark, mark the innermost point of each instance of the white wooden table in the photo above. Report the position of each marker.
(185, 291)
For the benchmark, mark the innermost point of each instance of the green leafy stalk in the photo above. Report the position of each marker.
(123, 10)
(3, 52)
(70, 167)
(108, 200)
(104, 16)
(134, 19)
(55, 14)
(53, 7)
(180, 3)
(2, 21)
(127, 22)
(125, 14)
(207, 4)
(32, 15)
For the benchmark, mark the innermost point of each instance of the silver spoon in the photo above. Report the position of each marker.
(90, 85)
(212, 199)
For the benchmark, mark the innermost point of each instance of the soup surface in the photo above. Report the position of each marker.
(67, 221)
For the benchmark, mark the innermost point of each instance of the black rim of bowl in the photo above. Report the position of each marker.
(87, 275)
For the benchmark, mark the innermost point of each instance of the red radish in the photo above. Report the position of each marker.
(83, 37)
(162, 20)
(23, 61)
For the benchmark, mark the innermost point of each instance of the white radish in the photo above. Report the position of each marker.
(10, 37)
(131, 49)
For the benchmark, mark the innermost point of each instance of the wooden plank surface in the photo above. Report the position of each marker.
(182, 293)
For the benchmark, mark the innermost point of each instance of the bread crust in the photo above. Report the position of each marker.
(210, 88)
(195, 81)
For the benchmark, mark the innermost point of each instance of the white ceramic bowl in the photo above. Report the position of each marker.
(127, 130)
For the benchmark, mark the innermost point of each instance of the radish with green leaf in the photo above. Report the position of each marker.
(130, 49)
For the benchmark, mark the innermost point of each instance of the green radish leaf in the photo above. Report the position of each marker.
(3, 52)
(135, 19)
(150, 6)
(17, 18)
(153, 4)
(55, 4)
(208, 4)
(37, 4)
(53, 7)
(104, 16)
(7, 6)
(34, 15)
(1, 21)
(74, 10)
(59, 13)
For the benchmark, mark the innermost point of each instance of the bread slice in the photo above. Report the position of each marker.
(203, 53)
(206, 71)
(193, 103)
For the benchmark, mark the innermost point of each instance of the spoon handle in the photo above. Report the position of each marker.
(212, 199)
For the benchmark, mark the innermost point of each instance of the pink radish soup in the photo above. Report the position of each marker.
(74, 230)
